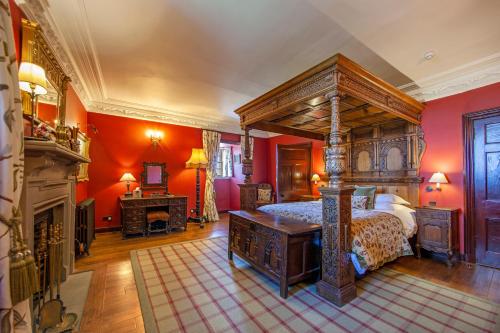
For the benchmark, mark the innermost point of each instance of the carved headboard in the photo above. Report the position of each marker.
(386, 155)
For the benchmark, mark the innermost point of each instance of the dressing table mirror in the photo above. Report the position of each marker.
(154, 176)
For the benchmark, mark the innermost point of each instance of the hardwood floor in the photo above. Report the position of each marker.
(113, 303)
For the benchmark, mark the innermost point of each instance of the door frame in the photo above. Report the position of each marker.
(468, 136)
(308, 145)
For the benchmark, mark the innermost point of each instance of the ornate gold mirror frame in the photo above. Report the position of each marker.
(35, 49)
(83, 170)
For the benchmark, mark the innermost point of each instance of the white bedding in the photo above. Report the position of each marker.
(311, 212)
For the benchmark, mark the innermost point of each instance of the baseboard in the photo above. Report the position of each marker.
(107, 229)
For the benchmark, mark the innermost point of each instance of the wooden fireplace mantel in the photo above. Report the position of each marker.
(35, 147)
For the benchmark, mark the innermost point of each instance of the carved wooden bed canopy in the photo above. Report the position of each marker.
(302, 105)
(372, 134)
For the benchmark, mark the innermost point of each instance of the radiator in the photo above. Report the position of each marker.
(84, 226)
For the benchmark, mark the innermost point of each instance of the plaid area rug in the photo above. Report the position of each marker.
(192, 287)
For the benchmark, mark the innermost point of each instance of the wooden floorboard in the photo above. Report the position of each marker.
(113, 304)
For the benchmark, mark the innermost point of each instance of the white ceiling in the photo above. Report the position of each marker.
(458, 31)
(195, 61)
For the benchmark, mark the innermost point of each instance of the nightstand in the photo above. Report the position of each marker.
(310, 197)
(438, 231)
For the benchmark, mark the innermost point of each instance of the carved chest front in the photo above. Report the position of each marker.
(287, 251)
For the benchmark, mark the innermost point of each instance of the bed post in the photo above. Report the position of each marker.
(337, 278)
(248, 191)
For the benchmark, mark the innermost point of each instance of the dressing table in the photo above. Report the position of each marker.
(134, 209)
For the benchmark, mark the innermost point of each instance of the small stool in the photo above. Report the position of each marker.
(155, 216)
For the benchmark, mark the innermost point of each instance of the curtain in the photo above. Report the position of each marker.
(211, 142)
(243, 147)
(12, 318)
(226, 161)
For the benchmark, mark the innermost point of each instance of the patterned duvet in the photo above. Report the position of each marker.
(377, 237)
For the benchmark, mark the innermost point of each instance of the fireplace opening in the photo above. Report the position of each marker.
(48, 230)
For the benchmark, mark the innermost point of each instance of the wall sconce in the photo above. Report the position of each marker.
(315, 178)
(437, 178)
(155, 137)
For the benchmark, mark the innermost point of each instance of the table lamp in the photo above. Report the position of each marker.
(437, 178)
(32, 80)
(315, 178)
(197, 161)
(128, 177)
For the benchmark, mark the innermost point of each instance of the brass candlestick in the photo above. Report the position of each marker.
(75, 144)
(62, 135)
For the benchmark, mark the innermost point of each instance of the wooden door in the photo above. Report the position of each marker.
(486, 190)
(293, 171)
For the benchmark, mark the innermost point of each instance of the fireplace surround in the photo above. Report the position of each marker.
(50, 186)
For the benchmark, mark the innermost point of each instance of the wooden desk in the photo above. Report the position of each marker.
(286, 250)
(134, 210)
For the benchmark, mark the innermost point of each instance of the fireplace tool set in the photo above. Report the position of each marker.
(52, 316)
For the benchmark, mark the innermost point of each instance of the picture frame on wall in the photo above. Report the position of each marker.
(83, 170)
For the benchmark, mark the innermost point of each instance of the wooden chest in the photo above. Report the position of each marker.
(133, 212)
(438, 231)
(286, 250)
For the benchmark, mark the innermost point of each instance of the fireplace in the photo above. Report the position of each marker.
(49, 191)
(45, 222)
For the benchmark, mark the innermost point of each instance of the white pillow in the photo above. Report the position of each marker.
(387, 198)
(359, 201)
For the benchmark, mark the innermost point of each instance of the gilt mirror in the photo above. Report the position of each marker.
(35, 49)
(154, 176)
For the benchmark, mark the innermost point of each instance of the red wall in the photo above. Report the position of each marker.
(260, 170)
(317, 166)
(223, 194)
(442, 125)
(120, 145)
(16, 15)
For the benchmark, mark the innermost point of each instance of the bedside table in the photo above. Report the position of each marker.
(438, 231)
(310, 197)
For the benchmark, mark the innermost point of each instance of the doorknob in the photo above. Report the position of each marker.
(281, 195)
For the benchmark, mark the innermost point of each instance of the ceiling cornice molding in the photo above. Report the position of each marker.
(467, 77)
(85, 72)
(38, 11)
(144, 112)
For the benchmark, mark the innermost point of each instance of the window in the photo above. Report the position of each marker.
(224, 162)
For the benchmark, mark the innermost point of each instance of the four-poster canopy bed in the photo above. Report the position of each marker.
(372, 133)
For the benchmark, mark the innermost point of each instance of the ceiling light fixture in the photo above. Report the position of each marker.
(429, 55)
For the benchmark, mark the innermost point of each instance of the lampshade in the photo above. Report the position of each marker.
(438, 177)
(315, 178)
(197, 159)
(127, 177)
(32, 77)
